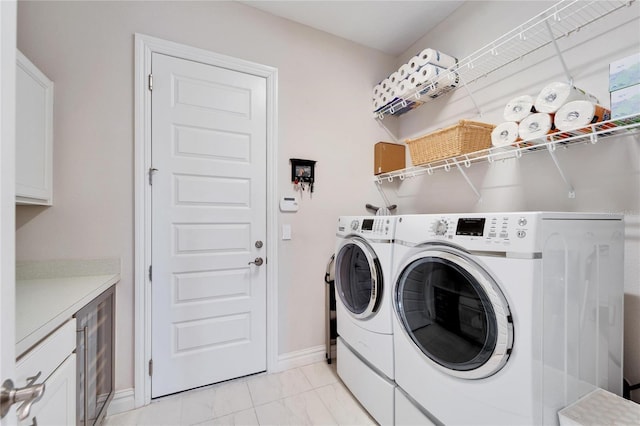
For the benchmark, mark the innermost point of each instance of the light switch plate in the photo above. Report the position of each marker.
(286, 232)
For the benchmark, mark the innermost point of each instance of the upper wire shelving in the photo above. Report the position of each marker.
(558, 21)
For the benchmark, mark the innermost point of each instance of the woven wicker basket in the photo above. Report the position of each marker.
(462, 138)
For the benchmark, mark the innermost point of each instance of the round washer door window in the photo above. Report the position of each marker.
(455, 313)
(358, 278)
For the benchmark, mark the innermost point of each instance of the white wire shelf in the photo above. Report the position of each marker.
(629, 125)
(557, 22)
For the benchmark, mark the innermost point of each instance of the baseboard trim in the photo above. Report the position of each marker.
(300, 358)
(123, 400)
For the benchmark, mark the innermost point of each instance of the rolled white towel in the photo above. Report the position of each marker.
(435, 57)
(579, 114)
(430, 72)
(518, 108)
(536, 127)
(404, 71)
(394, 79)
(504, 134)
(377, 90)
(556, 94)
(414, 64)
(385, 84)
(404, 88)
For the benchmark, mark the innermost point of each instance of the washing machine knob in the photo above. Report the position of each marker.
(441, 227)
(354, 225)
(522, 221)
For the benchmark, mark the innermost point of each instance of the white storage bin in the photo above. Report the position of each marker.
(598, 408)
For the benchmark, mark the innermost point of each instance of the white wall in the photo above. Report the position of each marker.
(606, 176)
(87, 49)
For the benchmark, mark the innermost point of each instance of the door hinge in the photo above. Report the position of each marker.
(150, 367)
(152, 170)
(151, 82)
(150, 273)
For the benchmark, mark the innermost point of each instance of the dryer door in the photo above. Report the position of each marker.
(358, 278)
(454, 312)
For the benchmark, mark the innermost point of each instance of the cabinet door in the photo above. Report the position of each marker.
(58, 404)
(34, 134)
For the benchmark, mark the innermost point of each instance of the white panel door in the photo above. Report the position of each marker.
(209, 212)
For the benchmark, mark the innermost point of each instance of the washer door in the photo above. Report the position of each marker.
(454, 312)
(358, 278)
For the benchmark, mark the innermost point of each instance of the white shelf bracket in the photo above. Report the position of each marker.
(572, 192)
(471, 185)
(559, 54)
(391, 135)
(382, 194)
(470, 93)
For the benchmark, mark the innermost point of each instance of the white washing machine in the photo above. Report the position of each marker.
(364, 311)
(505, 318)
(410, 413)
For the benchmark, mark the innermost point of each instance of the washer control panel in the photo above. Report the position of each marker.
(491, 229)
(507, 227)
(441, 227)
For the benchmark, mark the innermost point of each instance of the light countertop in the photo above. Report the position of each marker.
(45, 303)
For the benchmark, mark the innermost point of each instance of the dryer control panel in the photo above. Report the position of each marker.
(368, 226)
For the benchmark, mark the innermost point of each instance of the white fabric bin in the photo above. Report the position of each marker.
(598, 408)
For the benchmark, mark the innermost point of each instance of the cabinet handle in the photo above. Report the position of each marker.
(85, 332)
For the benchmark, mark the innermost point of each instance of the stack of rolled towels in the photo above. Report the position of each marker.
(558, 108)
(426, 70)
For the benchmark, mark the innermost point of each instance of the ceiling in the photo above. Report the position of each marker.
(389, 26)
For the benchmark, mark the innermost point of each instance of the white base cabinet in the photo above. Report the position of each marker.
(53, 363)
(58, 404)
(34, 134)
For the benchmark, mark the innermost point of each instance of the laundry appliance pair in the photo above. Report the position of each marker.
(500, 318)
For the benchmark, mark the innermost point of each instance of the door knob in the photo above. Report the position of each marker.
(258, 261)
(10, 395)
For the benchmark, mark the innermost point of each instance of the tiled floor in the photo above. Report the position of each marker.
(310, 395)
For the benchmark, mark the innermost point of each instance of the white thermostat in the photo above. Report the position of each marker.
(289, 204)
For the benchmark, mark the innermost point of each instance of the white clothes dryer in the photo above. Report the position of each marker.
(363, 262)
(505, 318)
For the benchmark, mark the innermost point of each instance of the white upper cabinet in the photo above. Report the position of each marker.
(34, 134)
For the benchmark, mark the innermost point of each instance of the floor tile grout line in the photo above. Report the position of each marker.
(252, 407)
(327, 407)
